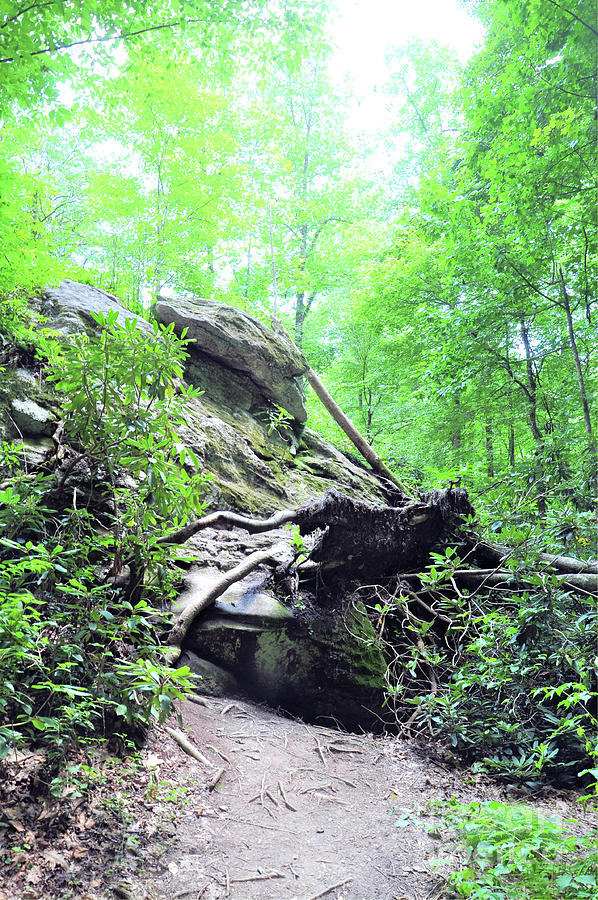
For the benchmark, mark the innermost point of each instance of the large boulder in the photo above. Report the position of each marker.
(27, 409)
(69, 307)
(259, 462)
(230, 336)
(325, 665)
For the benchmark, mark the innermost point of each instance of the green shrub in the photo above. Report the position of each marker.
(79, 655)
(512, 852)
(516, 676)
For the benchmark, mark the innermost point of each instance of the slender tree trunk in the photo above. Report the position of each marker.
(457, 435)
(272, 262)
(580, 379)
(512, 446)
(301, 307)
(532, 406)
(532, 383)
(248, 268)
(300, 314)
(352, 433)
(489, 450)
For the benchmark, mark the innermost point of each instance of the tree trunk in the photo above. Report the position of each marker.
(456, 439)
(580, 379)
(512, 446)
(353, 434)
(300, 313)
(489, 451)
(532, 406)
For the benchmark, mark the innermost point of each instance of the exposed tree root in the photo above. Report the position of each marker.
(187, 746)
(226, 519)
(278, 554)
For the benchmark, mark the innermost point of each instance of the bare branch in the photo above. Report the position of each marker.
(570, 13)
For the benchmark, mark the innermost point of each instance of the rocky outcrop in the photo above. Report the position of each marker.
(323, 664)
(69, 308)
(28, 411)
(226, 335)
(259, 461)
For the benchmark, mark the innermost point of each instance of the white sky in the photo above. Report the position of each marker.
(365, 29)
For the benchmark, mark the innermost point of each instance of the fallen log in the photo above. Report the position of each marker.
(354, 436)
(495, 554)
(358, 538)
(357, 535)
(494, 578)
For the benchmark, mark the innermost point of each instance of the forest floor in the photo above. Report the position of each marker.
(298, 812)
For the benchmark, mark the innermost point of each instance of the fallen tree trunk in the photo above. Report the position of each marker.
(494, 578)
(495, 554)
(354, 435)
(356, 535)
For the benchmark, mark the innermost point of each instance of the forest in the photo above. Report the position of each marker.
(435, 268)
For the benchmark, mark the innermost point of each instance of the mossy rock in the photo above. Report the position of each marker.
(322, 666)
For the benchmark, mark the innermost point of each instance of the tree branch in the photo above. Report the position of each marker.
(105, 39)
(27, 9)
(581, 21)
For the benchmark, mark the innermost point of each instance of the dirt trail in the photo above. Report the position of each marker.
(298, 810)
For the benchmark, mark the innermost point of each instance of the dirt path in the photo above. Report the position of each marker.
(298, 810)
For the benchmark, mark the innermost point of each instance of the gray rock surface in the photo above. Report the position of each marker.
(278, 648)
(32, 419)
(214, 681)
(69, 307)
(230, 336)
(26, 409)
(243, 369)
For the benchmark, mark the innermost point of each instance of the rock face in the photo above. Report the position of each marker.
(27, 410)
(236, 340)
(320, 664)
(324, 665)
(69, 307)
(259, 463)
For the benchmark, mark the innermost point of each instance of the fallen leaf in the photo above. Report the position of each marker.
(34, 875)
(151, 761)
(57, 858)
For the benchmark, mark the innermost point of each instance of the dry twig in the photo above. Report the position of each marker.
(328, 889)
(187, 746)
(284, 798)
(216, 778)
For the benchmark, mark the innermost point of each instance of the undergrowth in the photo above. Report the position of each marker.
(83, 575)
(512, 852)
(504, 679)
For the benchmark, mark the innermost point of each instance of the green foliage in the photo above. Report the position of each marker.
(515, 853)
(121, 403)
(518, 695)
(78, 655)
